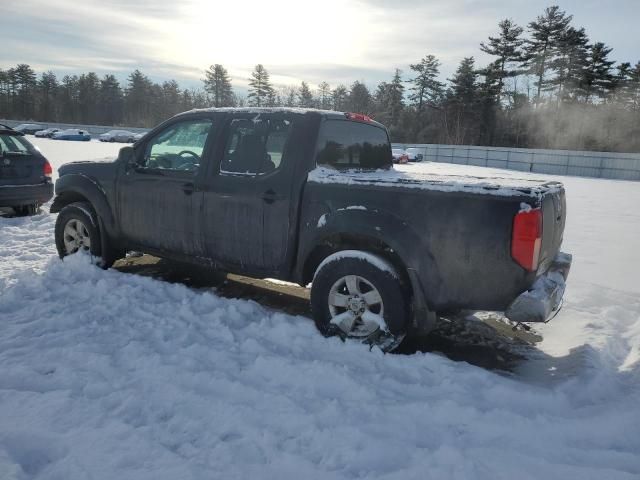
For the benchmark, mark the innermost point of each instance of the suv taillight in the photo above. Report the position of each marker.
(527, 238)
(47, 170)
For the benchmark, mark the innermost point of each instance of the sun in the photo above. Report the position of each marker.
(278, 34)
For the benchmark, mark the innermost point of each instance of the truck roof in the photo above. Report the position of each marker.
(297, 110)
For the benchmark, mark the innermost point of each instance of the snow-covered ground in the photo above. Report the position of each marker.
(109, 375)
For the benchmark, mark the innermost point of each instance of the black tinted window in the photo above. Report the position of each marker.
(15, 144)
(255, 146)
(346, 144)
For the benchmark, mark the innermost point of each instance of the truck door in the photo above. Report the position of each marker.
(158, 198)
(248, 194)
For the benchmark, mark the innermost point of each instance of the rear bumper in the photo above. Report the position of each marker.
(543, 300)
(15, 195)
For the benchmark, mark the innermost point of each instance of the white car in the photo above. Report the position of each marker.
(138, 136)
(47, 132)
(415, 154)
(117, 136)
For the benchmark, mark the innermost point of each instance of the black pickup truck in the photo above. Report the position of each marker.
(312, 197)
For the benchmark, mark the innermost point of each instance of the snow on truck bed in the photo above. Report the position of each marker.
(426, 177)
(109, 375)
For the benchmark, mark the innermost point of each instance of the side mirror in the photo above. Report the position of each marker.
(127, 155)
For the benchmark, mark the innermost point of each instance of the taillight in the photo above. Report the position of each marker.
(358, 116)
(527, 238)
(47, 170)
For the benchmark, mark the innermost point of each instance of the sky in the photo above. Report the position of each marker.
(337, 41)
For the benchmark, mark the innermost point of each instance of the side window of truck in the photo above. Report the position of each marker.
(255, 146)
(347, 144)
(179, 147)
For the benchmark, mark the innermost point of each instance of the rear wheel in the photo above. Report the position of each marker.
(77, 229)
(26, 210)
(359, 295)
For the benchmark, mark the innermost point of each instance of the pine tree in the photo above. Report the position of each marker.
(507, 47)
(598, 80)
(68, 98)
(47, 90)
(218, 85)
(24, 83)
(546, 32)
(137, 99)
(570, 62)
(305, 97)
(634, 87)
(111, 101)
(389, 99)
(324, 96)
(462, 102)
(88, 90)
(395, 97)
(427, 90)
(339, 98)
(261, 93)
(359, 98)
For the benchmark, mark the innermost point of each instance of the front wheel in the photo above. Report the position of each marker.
(77, 229)
(359, 295)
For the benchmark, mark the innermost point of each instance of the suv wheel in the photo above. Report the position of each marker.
(359, 295)
(26, 210)
(77, 228)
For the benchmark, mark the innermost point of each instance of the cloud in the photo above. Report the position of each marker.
(337, 41)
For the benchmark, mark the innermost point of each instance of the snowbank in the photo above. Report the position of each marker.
(109, 375)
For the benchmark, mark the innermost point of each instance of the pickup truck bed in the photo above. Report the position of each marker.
(456, 230)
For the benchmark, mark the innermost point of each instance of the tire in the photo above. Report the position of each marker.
(344, 297)
(26, 210)
(81, 218)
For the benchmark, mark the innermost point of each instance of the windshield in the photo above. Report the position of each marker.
(15, 145)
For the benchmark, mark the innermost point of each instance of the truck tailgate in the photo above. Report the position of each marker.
(554, 210)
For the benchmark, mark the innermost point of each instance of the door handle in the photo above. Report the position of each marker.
(270, 196)
(187, 188)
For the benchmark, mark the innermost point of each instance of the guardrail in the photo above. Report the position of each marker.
(94, 130)
(619, 166)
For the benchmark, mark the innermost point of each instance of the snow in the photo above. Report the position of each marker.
(378, 262)
(111, 375)
(478, 180)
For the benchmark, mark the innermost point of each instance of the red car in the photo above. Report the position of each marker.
(399, 156)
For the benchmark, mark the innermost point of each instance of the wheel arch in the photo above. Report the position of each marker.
(80, 188)
(355, 231)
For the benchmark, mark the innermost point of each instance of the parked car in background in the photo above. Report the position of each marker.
(123, 136)
(311, 196)
(47, 133)
(415, 154)
(399, 155)
(138, 136)
(28, 128)
(72, 134)
(25, 174)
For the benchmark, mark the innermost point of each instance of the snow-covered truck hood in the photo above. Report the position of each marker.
(82, 166)
(489, 185)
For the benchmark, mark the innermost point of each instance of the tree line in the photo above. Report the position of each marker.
(548, 86)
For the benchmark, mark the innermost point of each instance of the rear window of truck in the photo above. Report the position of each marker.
(343, 144)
